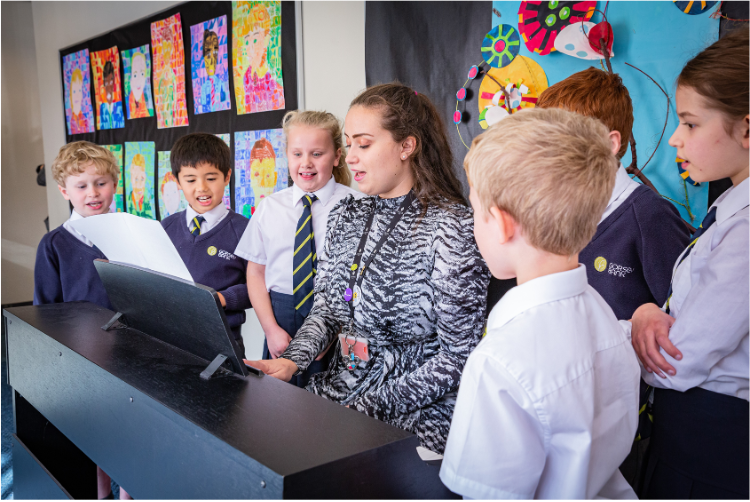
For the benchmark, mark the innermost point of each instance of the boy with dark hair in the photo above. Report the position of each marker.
(206, 233)
(640, 235)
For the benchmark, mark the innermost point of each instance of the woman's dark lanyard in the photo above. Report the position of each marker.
(355, 279)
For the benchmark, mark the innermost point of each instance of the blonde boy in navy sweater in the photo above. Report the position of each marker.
(206, 233)
(547, 406)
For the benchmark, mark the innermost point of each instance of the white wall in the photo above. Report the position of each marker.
(24, 203)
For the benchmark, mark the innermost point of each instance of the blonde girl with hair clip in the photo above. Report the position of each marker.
(284, 240)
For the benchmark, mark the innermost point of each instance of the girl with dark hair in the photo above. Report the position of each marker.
(403, 289)
(694, 351)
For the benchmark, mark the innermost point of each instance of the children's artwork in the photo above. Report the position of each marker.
(260, 167)
(573, 40)
(227, 199)
(139, 178)
(256, 56)
(117, 201)
(659, 39)
(694, 8)
(539, 22)
(106, 67)
(500, 46)
(137, 65)
(210, 66)
(169, 72)
(171, 198)
(79, 114)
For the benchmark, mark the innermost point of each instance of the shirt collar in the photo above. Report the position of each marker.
(323, 195)
(622, 181)
(733, 200)
(212, 216)
(545, 289)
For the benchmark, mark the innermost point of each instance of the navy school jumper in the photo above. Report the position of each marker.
(65, 272)
(630, 259)
(210, 260)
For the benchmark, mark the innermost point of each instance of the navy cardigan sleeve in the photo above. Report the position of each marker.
(47, 285)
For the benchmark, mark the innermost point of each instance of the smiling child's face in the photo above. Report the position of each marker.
(203, 186)
(90, 193)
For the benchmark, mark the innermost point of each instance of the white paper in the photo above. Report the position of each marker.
(428, 455)
(126, 238)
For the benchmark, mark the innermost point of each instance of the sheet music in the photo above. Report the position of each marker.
(126, 238)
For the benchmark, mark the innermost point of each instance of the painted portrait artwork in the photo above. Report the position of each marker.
(171, 198)
(260, 167)
(227, 192)
(136, 64)
(169, 72)
(209, 63)
(107, 89)
(139, 178)
(256, 56)
(117, 205)
(79, 114)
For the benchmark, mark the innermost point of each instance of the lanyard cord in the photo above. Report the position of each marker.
(355, 280)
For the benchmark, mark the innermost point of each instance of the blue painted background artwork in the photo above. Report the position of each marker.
(210, 66)
(659, 39)
(260, 167)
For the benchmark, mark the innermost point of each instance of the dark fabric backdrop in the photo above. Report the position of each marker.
(227, 121)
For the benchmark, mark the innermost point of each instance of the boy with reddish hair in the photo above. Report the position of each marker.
(640, 235)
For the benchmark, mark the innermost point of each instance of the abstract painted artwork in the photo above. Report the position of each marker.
(540, 22)
(139, 178)
(227, 199)
(117, 200)
(169, 72)
(79, 115)
(107, 89)
(210, 66)
(256, 56)
(260, 167)
(171, 198)
(137, 65)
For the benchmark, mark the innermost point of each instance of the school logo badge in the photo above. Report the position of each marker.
(211, 250)
(600, 264)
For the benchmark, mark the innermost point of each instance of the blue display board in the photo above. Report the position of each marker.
(658, 38)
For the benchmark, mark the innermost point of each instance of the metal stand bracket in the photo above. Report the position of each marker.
(113, 321)
(211, 368)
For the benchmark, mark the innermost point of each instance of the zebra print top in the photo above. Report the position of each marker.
(422, 310)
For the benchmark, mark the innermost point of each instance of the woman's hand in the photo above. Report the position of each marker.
(278, 340)
(650, 332)
(283, 369)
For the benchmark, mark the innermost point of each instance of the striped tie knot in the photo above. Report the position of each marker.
(305, 258)
(197, 222)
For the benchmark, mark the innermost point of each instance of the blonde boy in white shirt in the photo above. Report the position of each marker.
(548, 402)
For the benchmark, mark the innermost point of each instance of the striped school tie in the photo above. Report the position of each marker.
(305, 258)
(197, 222)
(707, 222)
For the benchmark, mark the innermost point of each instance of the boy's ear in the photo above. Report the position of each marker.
(615, 140)
(746, 132)
(228, 177)
(505, 224)
(338, 158)
(64, 192)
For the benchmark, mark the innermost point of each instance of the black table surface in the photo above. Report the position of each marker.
(285, 428)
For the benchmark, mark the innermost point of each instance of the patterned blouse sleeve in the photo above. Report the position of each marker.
(460, 278)
(321, 325)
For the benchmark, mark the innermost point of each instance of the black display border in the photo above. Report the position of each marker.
(137, 34)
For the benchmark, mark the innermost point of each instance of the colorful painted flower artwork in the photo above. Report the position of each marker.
(209, 64)
(540, 22)
(79, 114)
(117, 205)
(260, 167)
(169, 72)
(139, 178)
(137, 66)
(500, 46)
(256, 56)
(108, 89)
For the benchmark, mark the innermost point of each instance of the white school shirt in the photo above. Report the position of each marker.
(710, 302)
(269, 237)
(624, 187)
(548, 401)
(74, 216)
(213, 217)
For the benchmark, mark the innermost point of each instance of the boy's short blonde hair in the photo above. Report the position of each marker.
(552, 170)
(73, 159)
